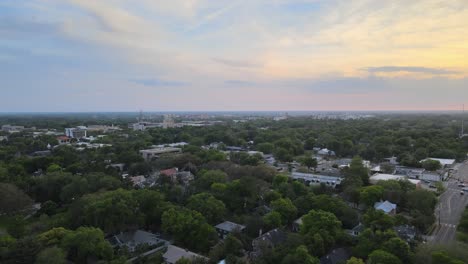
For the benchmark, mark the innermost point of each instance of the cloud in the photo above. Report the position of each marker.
(389, 69)
(239, 83)
(237, 63)
(157, 82)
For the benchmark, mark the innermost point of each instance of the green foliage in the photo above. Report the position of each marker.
(320, 230)
(189, 228)
(12, 199)
(371, 194)
(300, 255)
(431, 165)
(399, 248)
(86, 242)
(354, 260)
(382, 257)
(377, 219)
(53, 255)
(112, 211)
(286, 209)
(369, 241)
(211, 208)
(272, 220)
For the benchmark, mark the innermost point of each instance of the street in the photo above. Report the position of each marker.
(450, 208)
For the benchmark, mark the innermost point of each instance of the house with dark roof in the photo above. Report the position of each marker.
(174, 254)
(268, 240)
(227, 227)
(336, 256)
(135, 238)
(356, 231)
(406, 232)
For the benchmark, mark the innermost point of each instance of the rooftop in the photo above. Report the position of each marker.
(230, 226)
(386, 206)
(173, 254)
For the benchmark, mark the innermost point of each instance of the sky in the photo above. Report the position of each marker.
(233, 55)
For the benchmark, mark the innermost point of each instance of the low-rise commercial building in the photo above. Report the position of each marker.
(150, 154)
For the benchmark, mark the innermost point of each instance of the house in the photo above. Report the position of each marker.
(326, 152)
(392, 160)
(185, 177)
(138, 181)
(174, 254)
(356, 231)
(444, 162)
(388, 207)
(227, 227)
(336, 256)
(12, 129)
(315, 179)
(406, 232)
(135, 238)
(374, 179)
(171, 174)
(268, 240)
(76, 132)
(413, 173)
(154, 153)
(63, 140)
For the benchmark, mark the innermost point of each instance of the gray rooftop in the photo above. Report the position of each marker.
(230, 226)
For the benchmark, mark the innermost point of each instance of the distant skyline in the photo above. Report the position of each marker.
(236, 55)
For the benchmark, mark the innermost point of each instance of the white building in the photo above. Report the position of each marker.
(374, 179)
(149, 154)
(443, 162)
(76, 132)
(315, 179)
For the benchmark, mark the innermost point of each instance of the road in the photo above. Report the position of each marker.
(450, 208)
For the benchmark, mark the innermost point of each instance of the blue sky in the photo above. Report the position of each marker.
(157, 55)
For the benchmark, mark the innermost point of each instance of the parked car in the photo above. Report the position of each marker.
(461, 185)
(462, 193)
(432, 185)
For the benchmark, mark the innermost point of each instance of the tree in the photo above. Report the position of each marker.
(12, 199)
(370, 240)
(377, 219)
(357, 169)
(310, 162)
(320, 225)
(53, 168)
(382, 257)
(189, 228)
(369, 195)
(422, 200)
(300, 255)
(266, 147)
(207, 178)
(272, 220)
(53, 255)
(431, 165)
(354, 260)
(86, 242)
(399, 248)
(112, 211)
(211, 208)
(286, 209)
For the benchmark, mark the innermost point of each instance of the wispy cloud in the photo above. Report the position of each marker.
(237, 63)
(213, 15)
(239, 83)
(434, 71)
(157, 82)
